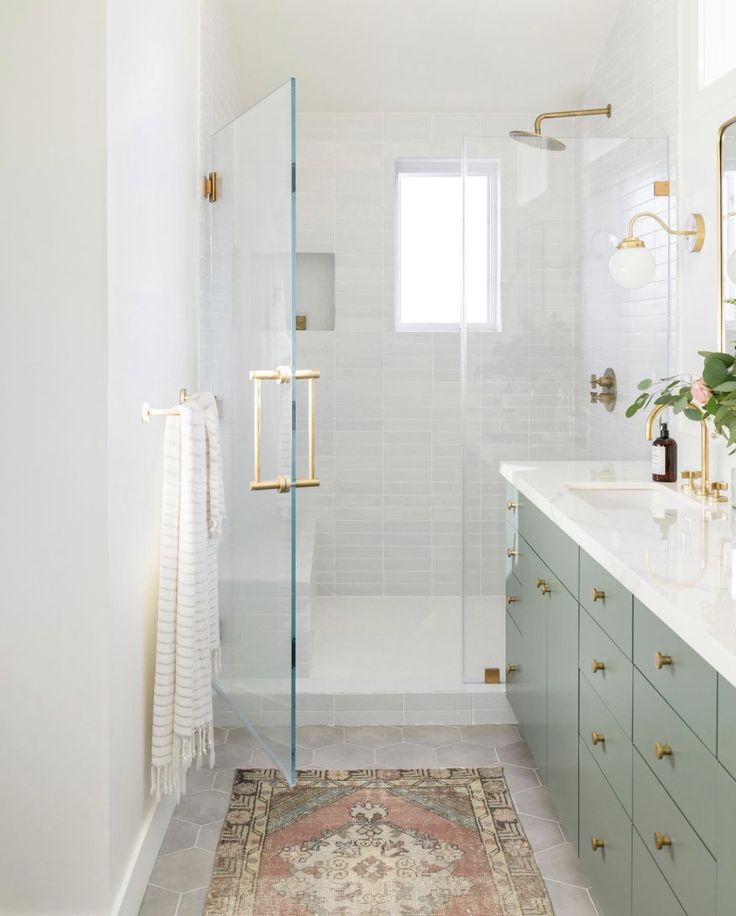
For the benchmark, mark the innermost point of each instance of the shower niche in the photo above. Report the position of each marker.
(315, 291)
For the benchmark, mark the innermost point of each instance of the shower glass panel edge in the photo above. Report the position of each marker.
(248, 326)
(525, 392)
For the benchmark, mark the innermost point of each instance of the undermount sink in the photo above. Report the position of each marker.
(625, 496)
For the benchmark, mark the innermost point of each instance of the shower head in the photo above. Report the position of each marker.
(538, 140)
(536, 137)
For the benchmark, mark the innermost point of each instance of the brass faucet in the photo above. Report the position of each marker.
(705, 489)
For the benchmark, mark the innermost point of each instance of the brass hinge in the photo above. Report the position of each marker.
(209, 187)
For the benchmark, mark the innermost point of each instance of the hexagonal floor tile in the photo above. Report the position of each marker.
(519, 779)
(202, 808)
(560, 863)
(537, 802)
(431, 735)
(490, 735)
(372, 735)
(572, 901)
(192, 904)
(517, 753)
(243, 737)
(179, 835)
(159, 902)
(405, 756)
(542, 834)
(199, 779)
(467, 755)
(183, 871)
(228, 756)
(314, 736)
(344, 756)
(209, 836)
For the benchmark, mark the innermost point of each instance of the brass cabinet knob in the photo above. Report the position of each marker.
(540, 583)
(512, 599)
(596, 843)
(512, 506)
(661, 840)
(597, 666)
(662, 750)
(544, 587)
(599, 595)
(510, 552)
(660, 660)
(512, 669)
(598, 738)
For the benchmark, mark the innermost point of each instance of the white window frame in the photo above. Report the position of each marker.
(437, 168)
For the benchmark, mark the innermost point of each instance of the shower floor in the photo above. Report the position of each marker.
(403, 644)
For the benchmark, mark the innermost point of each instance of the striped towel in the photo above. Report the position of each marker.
(188, 644)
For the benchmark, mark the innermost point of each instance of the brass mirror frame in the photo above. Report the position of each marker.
(719, 233)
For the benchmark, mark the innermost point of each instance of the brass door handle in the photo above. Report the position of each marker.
(598, 738)
(661, 840)
(510, 552)
(596, 843)
(512, 599)
(282, 374)
(512, 506)
(660, 660)
(598, 595)
(597, 666)
(512, 669)
(662, 750)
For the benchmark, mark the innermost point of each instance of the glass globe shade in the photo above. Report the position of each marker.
(632, 268)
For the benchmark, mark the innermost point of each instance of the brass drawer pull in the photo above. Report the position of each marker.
(513, 599)
(545, 588)
(662, 750)
(660, 660)
(511, 506)
(510, 552)
(661, 840)
(597, 666)
(540, 583)
(512, 669)
(598, 738)
(599, 595)
(596, 843)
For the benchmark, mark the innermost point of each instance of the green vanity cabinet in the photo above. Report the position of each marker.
(633, 732)
(726, 849)
(562, 705)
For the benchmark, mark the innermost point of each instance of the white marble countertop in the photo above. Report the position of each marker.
(676, 554)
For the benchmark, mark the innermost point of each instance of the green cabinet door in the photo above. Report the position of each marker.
(515, 671)
(726, 854)
(535, 681)
(562, 707)
(650, 892)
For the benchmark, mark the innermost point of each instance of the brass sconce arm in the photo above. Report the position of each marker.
(697, 233)
(579, 113)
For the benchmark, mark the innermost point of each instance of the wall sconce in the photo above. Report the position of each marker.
(632, 266)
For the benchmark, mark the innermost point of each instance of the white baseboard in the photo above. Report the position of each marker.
(133, 886)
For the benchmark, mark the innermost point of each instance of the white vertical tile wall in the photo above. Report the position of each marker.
(634, 332)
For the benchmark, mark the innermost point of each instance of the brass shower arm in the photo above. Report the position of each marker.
(577, 113)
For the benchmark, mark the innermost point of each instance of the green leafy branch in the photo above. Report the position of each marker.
(716, 389)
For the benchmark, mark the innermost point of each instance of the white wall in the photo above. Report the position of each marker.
(702, 111)
(153, 181)
(98, 282)
(53, 370)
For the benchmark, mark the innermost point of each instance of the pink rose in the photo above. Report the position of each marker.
(700, 391)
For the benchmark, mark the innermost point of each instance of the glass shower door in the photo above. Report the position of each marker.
(248, 357)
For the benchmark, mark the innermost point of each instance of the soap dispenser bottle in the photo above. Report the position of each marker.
(664, 457)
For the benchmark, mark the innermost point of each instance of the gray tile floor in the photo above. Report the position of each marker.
(182, 871)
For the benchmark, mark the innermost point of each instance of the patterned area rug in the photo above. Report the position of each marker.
(374, 843)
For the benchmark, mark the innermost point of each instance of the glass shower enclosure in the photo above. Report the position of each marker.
(248, 354)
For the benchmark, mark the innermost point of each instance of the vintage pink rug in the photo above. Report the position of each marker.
(444, 842)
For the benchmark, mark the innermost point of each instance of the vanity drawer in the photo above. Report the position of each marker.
(727, 725)
(684, 679)
(688, 867)
(689, 771)
(726, 855)
(555, 548)
(602, 818)
(650, 893)
(613, 752)
(612, 682)
(607, 602)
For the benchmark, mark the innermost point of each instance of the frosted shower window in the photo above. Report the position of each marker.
(429, 232)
